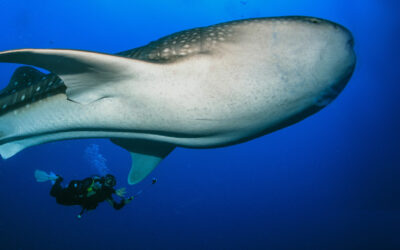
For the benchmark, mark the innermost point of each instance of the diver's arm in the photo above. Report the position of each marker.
(120, 205)
(113, 203)
(116, 205)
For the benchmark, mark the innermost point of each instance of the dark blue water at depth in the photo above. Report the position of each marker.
(331, 181)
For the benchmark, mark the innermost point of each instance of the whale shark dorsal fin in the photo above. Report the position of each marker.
(146, 155)
(87, 75)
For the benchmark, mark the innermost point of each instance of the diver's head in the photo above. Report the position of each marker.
(109, 180)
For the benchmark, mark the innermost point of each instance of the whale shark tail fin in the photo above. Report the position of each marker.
(146, 155)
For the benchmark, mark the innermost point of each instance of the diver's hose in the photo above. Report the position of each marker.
(153, 181)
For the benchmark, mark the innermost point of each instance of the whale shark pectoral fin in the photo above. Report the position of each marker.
(146, 155)
(10, 149)
(87, 75)
(142, 166)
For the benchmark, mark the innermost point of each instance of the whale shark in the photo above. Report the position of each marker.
(204, 87)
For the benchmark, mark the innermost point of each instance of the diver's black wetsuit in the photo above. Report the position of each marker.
(105, 193)
(67, 196)
(76, 194)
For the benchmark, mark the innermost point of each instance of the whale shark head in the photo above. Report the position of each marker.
(332, 47)
(336, 61)
(318, 54)
(307, 63)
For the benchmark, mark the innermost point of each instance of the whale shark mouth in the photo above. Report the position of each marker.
(332, 91)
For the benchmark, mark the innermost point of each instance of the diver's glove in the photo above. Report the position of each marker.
(121, 192)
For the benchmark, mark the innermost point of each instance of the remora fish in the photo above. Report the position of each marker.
(200, 88)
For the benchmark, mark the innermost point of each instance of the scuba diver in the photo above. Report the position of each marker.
(87, 193)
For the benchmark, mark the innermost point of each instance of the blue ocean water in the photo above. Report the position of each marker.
(328, 182)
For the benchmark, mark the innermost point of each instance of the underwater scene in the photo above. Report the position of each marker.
(226, 124)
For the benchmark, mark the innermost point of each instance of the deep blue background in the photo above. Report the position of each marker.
(331, 181)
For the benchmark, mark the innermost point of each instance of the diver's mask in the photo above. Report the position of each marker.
(109, 180)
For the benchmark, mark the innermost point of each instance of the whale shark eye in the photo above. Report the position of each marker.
(314, 20)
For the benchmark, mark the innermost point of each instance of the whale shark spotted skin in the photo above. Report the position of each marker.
(200, 88)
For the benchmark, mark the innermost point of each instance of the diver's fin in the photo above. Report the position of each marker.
(42, 176)
(87, 75)
(146, 155)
